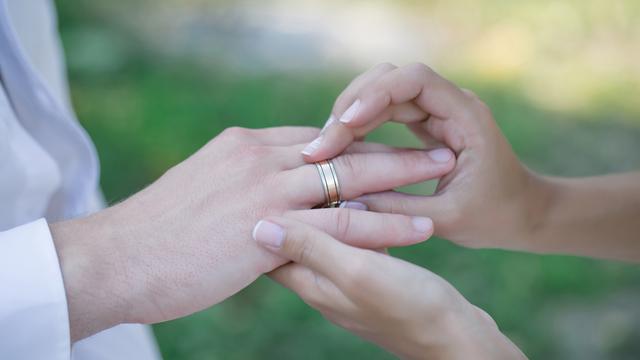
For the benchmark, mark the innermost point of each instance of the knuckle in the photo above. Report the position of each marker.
(348, 164)
(441, 298)
(477, 107)
(236, 133)
(315, 295)
(470, 94)
(279, 185)
(386, 94)
(413, 160)
(397, 206)
(342, 223)
(384, 66)
(482, 108)
(420, 68)
(396, 227)
(303, 248)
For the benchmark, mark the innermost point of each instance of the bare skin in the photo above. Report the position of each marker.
(490, 199)
(401, 307)
(184, 243)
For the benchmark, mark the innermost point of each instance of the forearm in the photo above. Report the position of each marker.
(594, 216)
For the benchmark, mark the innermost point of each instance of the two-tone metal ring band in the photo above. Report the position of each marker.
(330, 184)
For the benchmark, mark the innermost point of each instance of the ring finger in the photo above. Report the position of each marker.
(363, 173)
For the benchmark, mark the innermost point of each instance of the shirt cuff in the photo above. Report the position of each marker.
(34, 322)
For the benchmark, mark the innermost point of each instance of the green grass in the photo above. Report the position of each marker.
(149, 114)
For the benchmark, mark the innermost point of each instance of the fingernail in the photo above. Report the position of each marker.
(268, 234)
(328, 123)
(351, 112)
(313, 146)
(422, 224)
(353, 205)
(440, 155)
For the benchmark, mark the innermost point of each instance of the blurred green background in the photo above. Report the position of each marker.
(152, 81)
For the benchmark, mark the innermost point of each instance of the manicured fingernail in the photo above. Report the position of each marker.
(313, 146)
(353, 205)
(422, 224)
(351, 112)
(268, 234)
(328, 123)
(440, 155)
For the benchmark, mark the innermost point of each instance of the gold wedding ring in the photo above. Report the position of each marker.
(330, 184)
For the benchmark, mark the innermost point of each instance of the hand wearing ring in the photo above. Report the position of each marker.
(204, 209)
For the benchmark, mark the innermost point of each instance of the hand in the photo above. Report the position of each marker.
(403, 308)
(489, 200)
(184, 243)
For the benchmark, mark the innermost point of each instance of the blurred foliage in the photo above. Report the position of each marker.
(147, 112)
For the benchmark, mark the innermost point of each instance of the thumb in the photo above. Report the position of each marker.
(303, 244)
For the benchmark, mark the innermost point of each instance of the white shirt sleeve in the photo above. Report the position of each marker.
(34, 322)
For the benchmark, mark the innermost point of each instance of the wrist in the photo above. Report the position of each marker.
(536, 204)
(444, 332)
(468, 333)
(89, 272)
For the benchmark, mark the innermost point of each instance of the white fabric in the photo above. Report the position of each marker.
(48, 172)
(33, 305)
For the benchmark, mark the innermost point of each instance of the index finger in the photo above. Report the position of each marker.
(414, 84)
